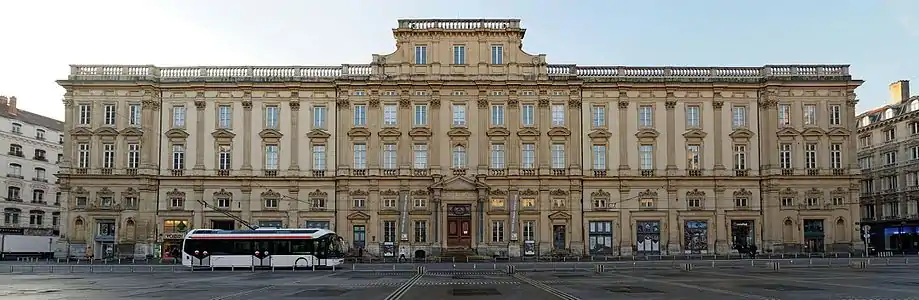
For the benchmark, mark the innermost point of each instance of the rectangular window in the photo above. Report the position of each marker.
(497, 231)
(178, 116)
(459, 157)
(109, 114)
(599, 157)
(810, 156)
(86, 114)
(645, 116)
(558, 115)
(272, 116)
(389, 231)
(178, 157)
(497, 156)
(740, 157)
(598, 116)
(421, 231)
(319, 157)
(320, 113)
(528, 115)
(497, 54)
(646, 157)
(134, 113)
(529, 230)
(459, 55)
(224, 116)
(421, 55)
(83, 156)
(784, 115)
(810, 114)
(558, 156)
(836, 156)
(459, 115)
(360, 115)
(360, 156)
(389, 156)
(694, 157)
(739, 117)
(108, 156)
(497, 115)
(421, 115)
(785, 156)
(224, 157)
(271, 157)
(835, 115)
(693, 116)
(133, 156)
(528, 156)
(420, 156)
(390, 115)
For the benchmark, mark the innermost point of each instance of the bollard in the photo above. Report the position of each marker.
(151, 269)
(511, 269)
(713, 264)
(71, 269)
(111, 269)
(420, 270)
(333, 268)
(686, 267)
(51, 269)
(132, 269)
(599, 268)
(314, 267)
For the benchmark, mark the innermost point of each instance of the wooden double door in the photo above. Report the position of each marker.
(459, 232)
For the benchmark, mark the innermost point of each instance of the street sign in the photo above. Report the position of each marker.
(866, 236)
(866, 228)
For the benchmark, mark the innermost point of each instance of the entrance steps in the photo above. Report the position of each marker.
(457, 254)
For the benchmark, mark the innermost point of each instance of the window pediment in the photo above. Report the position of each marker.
(106, 131)
(176, 133)
(498, 131)
(838, 132)
(694, 134)
(559, 131)
(318, 134)
(528, 131)
(741, 134)
(359, 132)
(269, 133)
(81, 131)
(600, 133)
(358, 216)
(389, 132)
(647, 133)
(459, 132)
(223, 134)
(813, 132)
(787, 131)
(420, 132)
(560, 215)
(132, 131)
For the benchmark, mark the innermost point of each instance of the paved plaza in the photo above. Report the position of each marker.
(740, 280)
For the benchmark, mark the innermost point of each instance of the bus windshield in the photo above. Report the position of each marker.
(336, 246)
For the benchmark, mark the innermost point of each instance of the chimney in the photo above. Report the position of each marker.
(12, 106)
(2, 100)
(899, 91)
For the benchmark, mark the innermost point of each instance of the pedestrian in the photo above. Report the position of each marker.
(753, 251)
(401, 253)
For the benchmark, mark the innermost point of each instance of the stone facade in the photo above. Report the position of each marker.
(460, 140)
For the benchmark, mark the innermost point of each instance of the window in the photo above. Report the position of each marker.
(223, 157)
(133, 156)
(836, 156)
(890, 157)
(390, 114)
(360, 236)
(420, 156)
(389, 203)
(320, 114)
(271, 157)
(646, 203)
(359, 202)
(40, 174)
(529, 230)
(389, 231)
(810, 114)
(224, 116)
(694, 157)
(645, 116)
(108, 156)
(558, 156)
(497, 115)
(497, 54)
(272, 116)
(40, 155)
(811, 201)
(459, 55)
(741, 202)
(497, 203)
(693, 115)
(38, 196)
(459, 157)
(810, 156)
(836, 114)
(600, 237)
(739, 117)
(599, 157)
(109, 114)
(178, 116)
(421, 55)
(598, 116)
(528, 202)
(740, 157)
(16, 170)
(223, 202)
(528, 156)
(788, 201)
(11, 216)
(890, 135)
(421, 115)
(784, 115)
(785, 156)
(178, 157)
(421, 231)
(17, 128)
(360, 156)
(85, 114)
(528, 115)
(319, 157)
(558, 115)
(134, 113)
(646, 157)
(83, 155)
(360, 115)
(459, 115)
(273, 203)
(16, 150)
(81, 201)
(39, 133)
(497, 156)
(497, 231)
(389, 156)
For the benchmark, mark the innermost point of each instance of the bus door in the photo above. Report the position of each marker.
(263, 250)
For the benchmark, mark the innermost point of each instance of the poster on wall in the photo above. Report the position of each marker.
(648, 237)
(695, 237)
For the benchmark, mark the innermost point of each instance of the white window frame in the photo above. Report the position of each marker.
(320, 117)
(178, 116)
(421, 54)
(224, 157)
(497, 231)
(83, 155)
(740, 157)
(558, 115)
(85, 114)
(784, 115)
(225, 116)
(528, 115)
(110, 111)
(272, 117)
(498, 114)
(598, 116)
(558, 156)
(420, 113)
(497, 54)
(360, 157)
(694, 157)
(390, 115)
(360, 115)
(646, 157)
(836, 114)
(459, 54)
(272, 157)
(645, 116)
(835, 156)
(599, 157)
(498, 156)
(785, 156)
(810, 114)
(528, 156)
(420, 156)
(693, 116)
(459, 115)
(133, 156)
(319, 157)
(135, 112)
(390, 152)
(739, 117)
(178, 157)
(459, 157)
(810, 156)
(108, 156)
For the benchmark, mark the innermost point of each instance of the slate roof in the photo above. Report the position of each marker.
(31, 118)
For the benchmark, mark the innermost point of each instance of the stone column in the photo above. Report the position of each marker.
(246, 203)
(719, 145)
(767, 103)
(406, 122)
(247, 130)
(345, 151)
(850, 121)
(295, 133)
(200, 105)
(624, 146)
(437, 211)
(151, 141)
(68, 141)
(512, 123)
(484, 147)
(434, 150)
(544, 123)
(198, 221)
(293, 214)
(722, 240)
(670, 105)
(575, 146)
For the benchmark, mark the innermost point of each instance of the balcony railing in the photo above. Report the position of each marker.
(741, 173)
(647, 173)
(528, 172)
(599, 173)
(270, 173)
(177, 172)
(318, 173)
(18, 176)
(106, 171)
(390, 172)
(420, 172)
(497, 172)
(223, 172)
(16, 153)
(131, 172)
(558, 172)
(45, 180)
(694, 173)
(358, 172)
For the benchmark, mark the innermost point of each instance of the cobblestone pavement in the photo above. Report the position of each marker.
(875, 282)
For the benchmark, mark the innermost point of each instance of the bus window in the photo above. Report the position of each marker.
(301, 247)
(281, 247)
(240, 248)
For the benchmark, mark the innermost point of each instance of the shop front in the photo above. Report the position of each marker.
(171, 238)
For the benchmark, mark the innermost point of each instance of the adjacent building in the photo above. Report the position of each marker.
(32, 200)
(459, 141)
(888, 140)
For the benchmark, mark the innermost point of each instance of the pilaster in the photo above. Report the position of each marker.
(670, 106)
(434, 149)
(851, 124)
(484, 146)
(198, 217)
(68, 141)
(719, 145)
(247, 131)
(200, 106)
(574, 146)
(295, 133)
(294, 211)
(406, 122)
(512, 123)
(544, 152)
(624, 150)
(246, 202)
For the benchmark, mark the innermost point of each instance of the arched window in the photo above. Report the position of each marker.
(36, 217)
(13, 193)
(459, 157)
(15, 170)
(17, 128)
(11, 216)
(16, 150)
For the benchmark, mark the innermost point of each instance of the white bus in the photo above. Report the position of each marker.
(270, 247)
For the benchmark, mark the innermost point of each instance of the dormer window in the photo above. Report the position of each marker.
(17, 128)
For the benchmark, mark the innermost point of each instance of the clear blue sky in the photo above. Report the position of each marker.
(879, 38)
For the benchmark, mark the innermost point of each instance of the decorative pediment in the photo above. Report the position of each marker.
(498, 131)
(269, 133)
(529, 192)
(839, 132)
(132, 131)
(270, 194)
(813, 132)
(223, 134)
(360, 193)
(788, 192)
(81, 131)
(130, 192)
(176, 133)
(694, 134)
(498, 192)
(359, 132)
(80, 190)
(647, 194)
(695, 194)
(106, 131)
(420, 132)
(600, 133)
(814, 192)
(742, 193)
(318, 194)
(741, 133)
(223, 194)
(600, 194)
(560, 215)
(420, 193)
(459, 132)
(647, 133)
(558, 192)
(787, 131)
(105, 191)
(839, 191)
(528, 131)
(389, 132)
(358, 216)
(389, 192)
(175, 193)
(559, 131)
(318, 134)
(459, 183)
